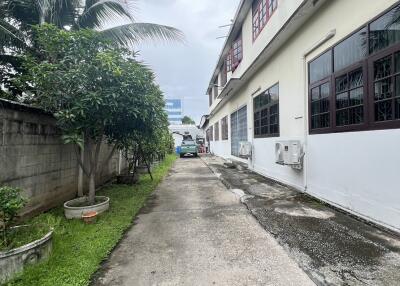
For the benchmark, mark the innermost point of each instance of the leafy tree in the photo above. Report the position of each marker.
(96, 91)
(11, 202)
(114, 19)
(149, 140)
(188, 120)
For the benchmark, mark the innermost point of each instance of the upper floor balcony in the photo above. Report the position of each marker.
(260, 28)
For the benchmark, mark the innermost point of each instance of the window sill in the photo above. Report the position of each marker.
(266, 136)
(358, 128)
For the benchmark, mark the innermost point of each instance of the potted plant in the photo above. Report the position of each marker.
(20, 245)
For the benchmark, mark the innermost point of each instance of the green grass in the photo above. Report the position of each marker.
(79, 249)
(23, 235)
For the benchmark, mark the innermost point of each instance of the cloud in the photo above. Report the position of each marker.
(183, 70)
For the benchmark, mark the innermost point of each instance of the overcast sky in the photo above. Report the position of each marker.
(184, 70)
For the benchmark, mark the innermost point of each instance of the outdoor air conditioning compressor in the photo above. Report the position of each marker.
(289, 153)
(245, 149)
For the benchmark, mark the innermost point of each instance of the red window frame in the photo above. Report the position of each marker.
(229, 62)
(237, 52)
(262, 12)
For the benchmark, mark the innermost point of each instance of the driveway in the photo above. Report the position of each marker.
(194, 231)
(332, 247)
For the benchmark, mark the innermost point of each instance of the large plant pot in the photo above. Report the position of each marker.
(15, 260)
(74, 210)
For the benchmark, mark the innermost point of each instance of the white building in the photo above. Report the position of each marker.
(179, 130)
(326, 73)
(174, 109)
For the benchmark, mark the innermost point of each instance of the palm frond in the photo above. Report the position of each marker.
(10, 36)
(105, 11)
(134, 33)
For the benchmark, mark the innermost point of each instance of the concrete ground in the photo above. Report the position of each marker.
(332, 247)
(195, 232)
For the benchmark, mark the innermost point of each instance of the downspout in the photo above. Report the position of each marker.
(326, 38)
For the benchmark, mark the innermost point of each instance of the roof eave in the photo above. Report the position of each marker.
(238, 20)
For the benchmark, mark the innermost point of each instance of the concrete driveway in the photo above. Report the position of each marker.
(196, 232)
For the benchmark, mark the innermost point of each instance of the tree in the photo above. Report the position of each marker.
(188, 120)
(150, 139)
(11, 202)
(97, 92)
(114, 19)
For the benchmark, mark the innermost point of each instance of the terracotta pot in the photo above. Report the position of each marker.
(73, 212)
(89, 217)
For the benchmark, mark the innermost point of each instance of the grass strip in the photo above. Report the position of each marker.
(79, 249)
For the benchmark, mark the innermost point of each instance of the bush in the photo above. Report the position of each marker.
(11, 202)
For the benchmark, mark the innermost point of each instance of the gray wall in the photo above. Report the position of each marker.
(34, 158)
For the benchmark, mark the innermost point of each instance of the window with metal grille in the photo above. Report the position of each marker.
(229, 62)
(355, 85)
(216, 130)
(224, 128)
(238, 129)
(266, 113)
(237, 52)
(262, 12)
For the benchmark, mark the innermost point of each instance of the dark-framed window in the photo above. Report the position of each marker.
(266, 113)
(262, 12)
(224, 128)
(210, 98)
(349, 90)
(216, 130)
(320, 105)
(385, 88)
(355, 85)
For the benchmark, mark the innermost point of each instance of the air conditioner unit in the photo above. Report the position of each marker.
(245, 149)
(289, 153)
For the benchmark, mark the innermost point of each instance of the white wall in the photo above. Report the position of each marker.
(357, 171)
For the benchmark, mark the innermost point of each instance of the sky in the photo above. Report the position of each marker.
(183, 70)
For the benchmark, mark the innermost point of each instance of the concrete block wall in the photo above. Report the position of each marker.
(34, 158)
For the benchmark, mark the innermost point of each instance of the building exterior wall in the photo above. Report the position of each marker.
(34, 158)
(174, 110)
(356, 171)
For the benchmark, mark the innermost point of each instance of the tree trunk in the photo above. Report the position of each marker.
(92, 188)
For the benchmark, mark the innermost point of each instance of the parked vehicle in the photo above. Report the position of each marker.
(188, 147)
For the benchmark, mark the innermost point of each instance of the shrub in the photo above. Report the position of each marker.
(11, 202)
